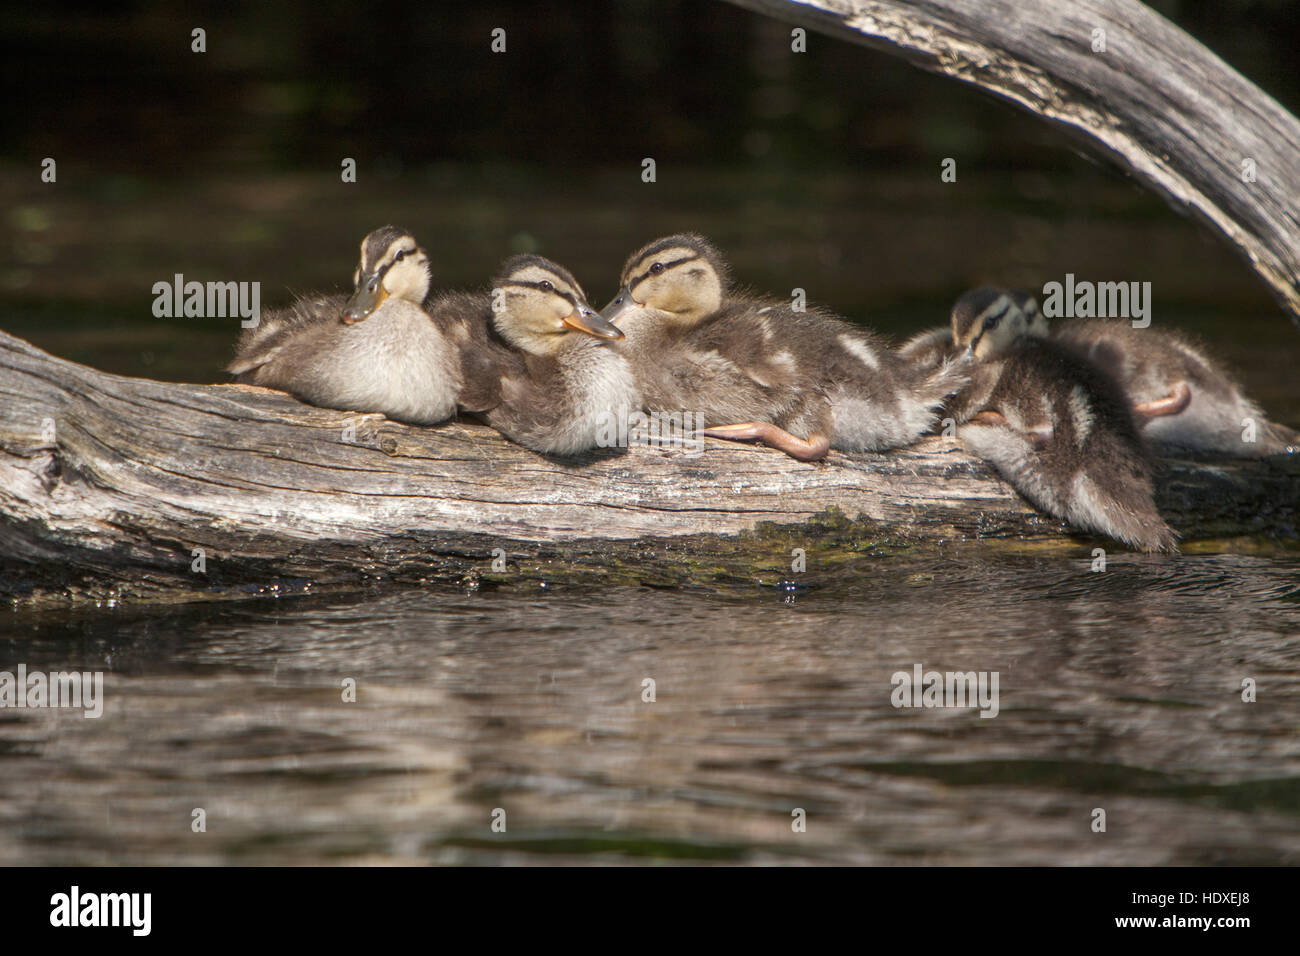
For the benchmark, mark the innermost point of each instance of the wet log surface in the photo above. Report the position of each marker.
(109, 484)
(1156, 102)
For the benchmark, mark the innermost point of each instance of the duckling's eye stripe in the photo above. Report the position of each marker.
(999, 308)
(525, 284)
(383, 266)
(672, 263)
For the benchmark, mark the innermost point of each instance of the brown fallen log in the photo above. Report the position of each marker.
(114, 488)
(1156, 102)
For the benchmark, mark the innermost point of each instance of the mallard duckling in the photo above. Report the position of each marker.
(564, 387)
(802, 382)
(378, 351)
(1182, 398)
(392, 265)
(1058, 429)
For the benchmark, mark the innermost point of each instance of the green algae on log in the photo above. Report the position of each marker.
(115, 488)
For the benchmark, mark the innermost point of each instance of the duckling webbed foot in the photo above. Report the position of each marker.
(813, 449)
(1039, 437)
(1173, 403)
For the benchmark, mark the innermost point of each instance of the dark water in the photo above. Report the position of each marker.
(1118, 690)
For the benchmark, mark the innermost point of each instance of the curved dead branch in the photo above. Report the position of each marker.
(1156, 101)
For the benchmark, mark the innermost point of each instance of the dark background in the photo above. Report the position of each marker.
(817, 170)
(285, 86)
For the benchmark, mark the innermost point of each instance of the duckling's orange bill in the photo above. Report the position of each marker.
(623, 304)
(585, 320)
(369, 296)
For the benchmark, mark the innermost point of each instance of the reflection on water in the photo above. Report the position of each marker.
(1119, 690)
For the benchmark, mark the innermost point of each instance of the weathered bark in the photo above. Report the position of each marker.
(1156, 101)
(137, 474)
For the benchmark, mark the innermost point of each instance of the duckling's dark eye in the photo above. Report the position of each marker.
(545, 286)
(657, 268)
(992, 321)
(400, 256)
